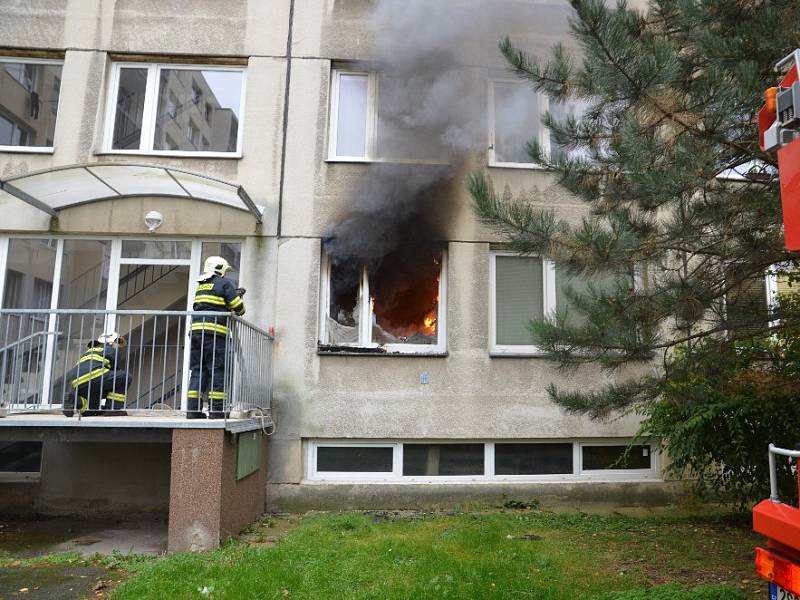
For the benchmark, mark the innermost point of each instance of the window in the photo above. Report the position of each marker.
(437, 460)
(353, 459)
(615, 457)
(396, 305)
(152, 106)
(29, 93)
(367, 123)
(748, 305)
(515, 118)
(30, 271)
(527, 288)
(20, 461)
(413, 461)
(352, 105)
(523, 289)
(532, 459)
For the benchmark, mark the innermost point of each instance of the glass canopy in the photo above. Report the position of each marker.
(62, 187)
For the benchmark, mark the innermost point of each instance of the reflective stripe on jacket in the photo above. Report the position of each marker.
(216, 294)
(95, 362)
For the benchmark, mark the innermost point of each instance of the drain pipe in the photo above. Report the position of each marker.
(285, 115)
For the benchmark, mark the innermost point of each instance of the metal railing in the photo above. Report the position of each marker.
(40, 368)
(773, 472)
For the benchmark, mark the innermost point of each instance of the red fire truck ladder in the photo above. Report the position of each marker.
(779, 129)
(779, 563)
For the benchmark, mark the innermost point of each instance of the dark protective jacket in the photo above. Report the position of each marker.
(96, 361)
(216, 294)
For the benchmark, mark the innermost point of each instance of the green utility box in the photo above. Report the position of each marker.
(248, 453)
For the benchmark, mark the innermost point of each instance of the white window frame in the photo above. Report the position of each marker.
(34, 61)
(396, 476)
(151, 107)
(350, 475)
(548, 302)
(613, 474)
(543, 103)
(371, 116)
(365, 314)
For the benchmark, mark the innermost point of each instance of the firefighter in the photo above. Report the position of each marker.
(95, 377)
(209, 336)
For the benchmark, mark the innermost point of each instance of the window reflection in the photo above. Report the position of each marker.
(29, 94)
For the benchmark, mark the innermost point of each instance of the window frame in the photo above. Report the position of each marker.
(365, 315)
(548, 304)
(370, 142)
(36, 61)
(544, 133)
(396, 476)
(314, 474)
(654, 456)
(150, 109)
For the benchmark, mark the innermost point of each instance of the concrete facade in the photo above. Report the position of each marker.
(468, 395)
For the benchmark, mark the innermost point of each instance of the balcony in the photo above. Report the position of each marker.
(39, 349)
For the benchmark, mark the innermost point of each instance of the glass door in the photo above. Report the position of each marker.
(154, 276)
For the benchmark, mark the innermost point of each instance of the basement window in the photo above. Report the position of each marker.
(443, 460)
(454, 461)
(156, 109)
(533, 459)
(348, 461)
(394, 305)
(20, 461)
(29, 95)
(611, 457)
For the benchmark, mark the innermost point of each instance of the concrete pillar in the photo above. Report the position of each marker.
(207, 504)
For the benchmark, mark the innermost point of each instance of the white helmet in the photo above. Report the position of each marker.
(215, 265)
(111, 337)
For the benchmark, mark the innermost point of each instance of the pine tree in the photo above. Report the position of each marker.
(671, 97)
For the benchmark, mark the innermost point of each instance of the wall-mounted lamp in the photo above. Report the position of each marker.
(153, 220)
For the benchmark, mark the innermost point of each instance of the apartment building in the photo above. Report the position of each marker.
(321, 147)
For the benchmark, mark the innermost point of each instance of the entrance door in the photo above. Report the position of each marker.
(154, 281)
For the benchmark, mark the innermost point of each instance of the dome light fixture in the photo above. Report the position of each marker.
(153, 220)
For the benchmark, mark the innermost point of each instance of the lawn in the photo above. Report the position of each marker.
(505, 554)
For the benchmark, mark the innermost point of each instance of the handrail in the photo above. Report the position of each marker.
(27, 338)
(773, 474)
(155, 361)
(122, 311)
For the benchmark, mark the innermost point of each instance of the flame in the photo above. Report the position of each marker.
(429, 324)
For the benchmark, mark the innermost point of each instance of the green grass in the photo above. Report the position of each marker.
(512, 554)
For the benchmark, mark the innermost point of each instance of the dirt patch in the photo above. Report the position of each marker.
(54, 582)
(269, 530)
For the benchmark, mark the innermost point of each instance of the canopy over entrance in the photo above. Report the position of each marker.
(51, 190)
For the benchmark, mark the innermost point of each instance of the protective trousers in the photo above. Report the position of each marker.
(111, 385)
(207, 365)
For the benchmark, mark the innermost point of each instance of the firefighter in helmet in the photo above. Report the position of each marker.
(209, 337)
(95, 376)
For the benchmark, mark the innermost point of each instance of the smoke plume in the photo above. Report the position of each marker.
(432, 59)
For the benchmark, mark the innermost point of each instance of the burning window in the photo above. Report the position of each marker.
(394, 303)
